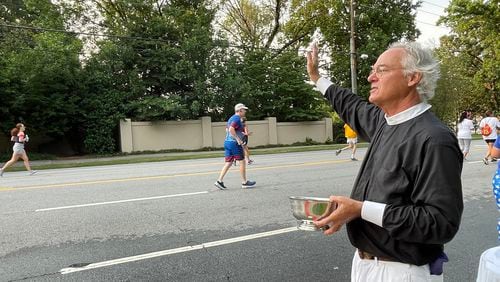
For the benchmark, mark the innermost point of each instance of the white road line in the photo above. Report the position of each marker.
(177, 250)
(121, 201)
(475, 162)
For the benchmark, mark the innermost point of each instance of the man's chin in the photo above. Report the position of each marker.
(373, 99)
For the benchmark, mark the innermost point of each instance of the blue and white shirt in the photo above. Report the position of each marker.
(234, 122)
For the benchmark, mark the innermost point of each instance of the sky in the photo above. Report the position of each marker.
(427, 16)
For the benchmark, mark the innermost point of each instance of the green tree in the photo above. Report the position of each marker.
(39, 71)
(374, 31)
(475, 46)
(456, 90)
(270, 74)
(153, 66)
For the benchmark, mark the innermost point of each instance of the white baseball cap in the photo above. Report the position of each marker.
(239, 107)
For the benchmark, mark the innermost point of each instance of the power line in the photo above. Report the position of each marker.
(82, 33)
(436, 26)
(145, 39)
(424, 11)
(430, 3)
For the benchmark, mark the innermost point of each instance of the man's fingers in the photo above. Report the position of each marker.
(309, 57)
(326, 220)
(321, 223)
(315, 50)
(333, 229)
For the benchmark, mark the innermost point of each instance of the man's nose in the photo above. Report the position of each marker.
(372, 77)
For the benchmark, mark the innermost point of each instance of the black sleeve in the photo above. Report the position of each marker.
(434, 214)
(361, 116)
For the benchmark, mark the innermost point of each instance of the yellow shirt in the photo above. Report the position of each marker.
(349, 133)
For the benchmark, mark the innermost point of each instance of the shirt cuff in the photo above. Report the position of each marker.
(322, 84)
(373, 212)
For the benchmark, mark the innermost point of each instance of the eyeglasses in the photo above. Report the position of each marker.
(380, 71)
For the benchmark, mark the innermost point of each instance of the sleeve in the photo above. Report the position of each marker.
(435, 206)
(497, 143)
(373, 212)
(361, 116)
(235, 122)
(481, 124)
(21, 136)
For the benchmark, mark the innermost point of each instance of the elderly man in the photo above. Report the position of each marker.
(233, 149)
(407, 199)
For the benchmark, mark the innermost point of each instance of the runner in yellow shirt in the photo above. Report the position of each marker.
(352, 140)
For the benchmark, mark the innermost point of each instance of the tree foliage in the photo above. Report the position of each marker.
(39, 72)
(474, 47)
(374, 32)
(75, 68)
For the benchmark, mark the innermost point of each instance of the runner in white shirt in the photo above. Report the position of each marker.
(464, 133)
(493, 124)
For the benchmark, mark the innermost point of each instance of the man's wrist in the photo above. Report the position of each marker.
(314, 77)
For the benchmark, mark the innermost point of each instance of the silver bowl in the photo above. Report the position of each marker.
(309, 209)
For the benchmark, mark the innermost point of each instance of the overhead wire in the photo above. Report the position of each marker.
(427, 12)
(433, 4)
(217, 43)
(430, 24)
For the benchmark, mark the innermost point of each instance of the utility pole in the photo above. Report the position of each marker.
(354, 80)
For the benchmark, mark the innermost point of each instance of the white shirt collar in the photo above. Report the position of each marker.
(407, 114)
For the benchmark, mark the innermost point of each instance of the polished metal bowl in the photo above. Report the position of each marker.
(309, 209)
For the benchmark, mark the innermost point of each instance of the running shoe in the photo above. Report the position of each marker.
(220, 185)
(338, 152)
(353, 159)
(248, 184)
(250, 162)
(485, 161)
(493, 160)
(33, 172)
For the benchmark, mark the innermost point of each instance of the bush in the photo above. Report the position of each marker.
(338, 129)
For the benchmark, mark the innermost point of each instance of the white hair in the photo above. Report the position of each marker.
(418, 59)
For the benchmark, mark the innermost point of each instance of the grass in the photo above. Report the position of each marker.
(32, 156)
(477, 137)
(187, 156)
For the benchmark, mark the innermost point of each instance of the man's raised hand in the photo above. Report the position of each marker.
(313, 62)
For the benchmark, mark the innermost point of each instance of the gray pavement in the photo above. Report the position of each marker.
(92, 216)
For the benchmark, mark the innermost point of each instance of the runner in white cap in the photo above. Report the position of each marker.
(233, 150)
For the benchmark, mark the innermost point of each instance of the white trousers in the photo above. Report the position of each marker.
(464, 144)
(364, 270)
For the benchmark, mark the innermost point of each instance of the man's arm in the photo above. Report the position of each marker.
(232, 131)
(495, 152)
(362, 116)
(434, 214)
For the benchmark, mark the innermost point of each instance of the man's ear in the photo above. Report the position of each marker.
(414, 78)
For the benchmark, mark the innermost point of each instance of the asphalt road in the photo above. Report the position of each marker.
(167, 222)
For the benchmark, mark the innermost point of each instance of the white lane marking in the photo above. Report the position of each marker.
(176, 250)
(121, 201)
(475, 162)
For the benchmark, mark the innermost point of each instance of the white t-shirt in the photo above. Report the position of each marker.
(493, 123)
(465, 129)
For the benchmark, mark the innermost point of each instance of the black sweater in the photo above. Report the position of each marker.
(414, 168)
